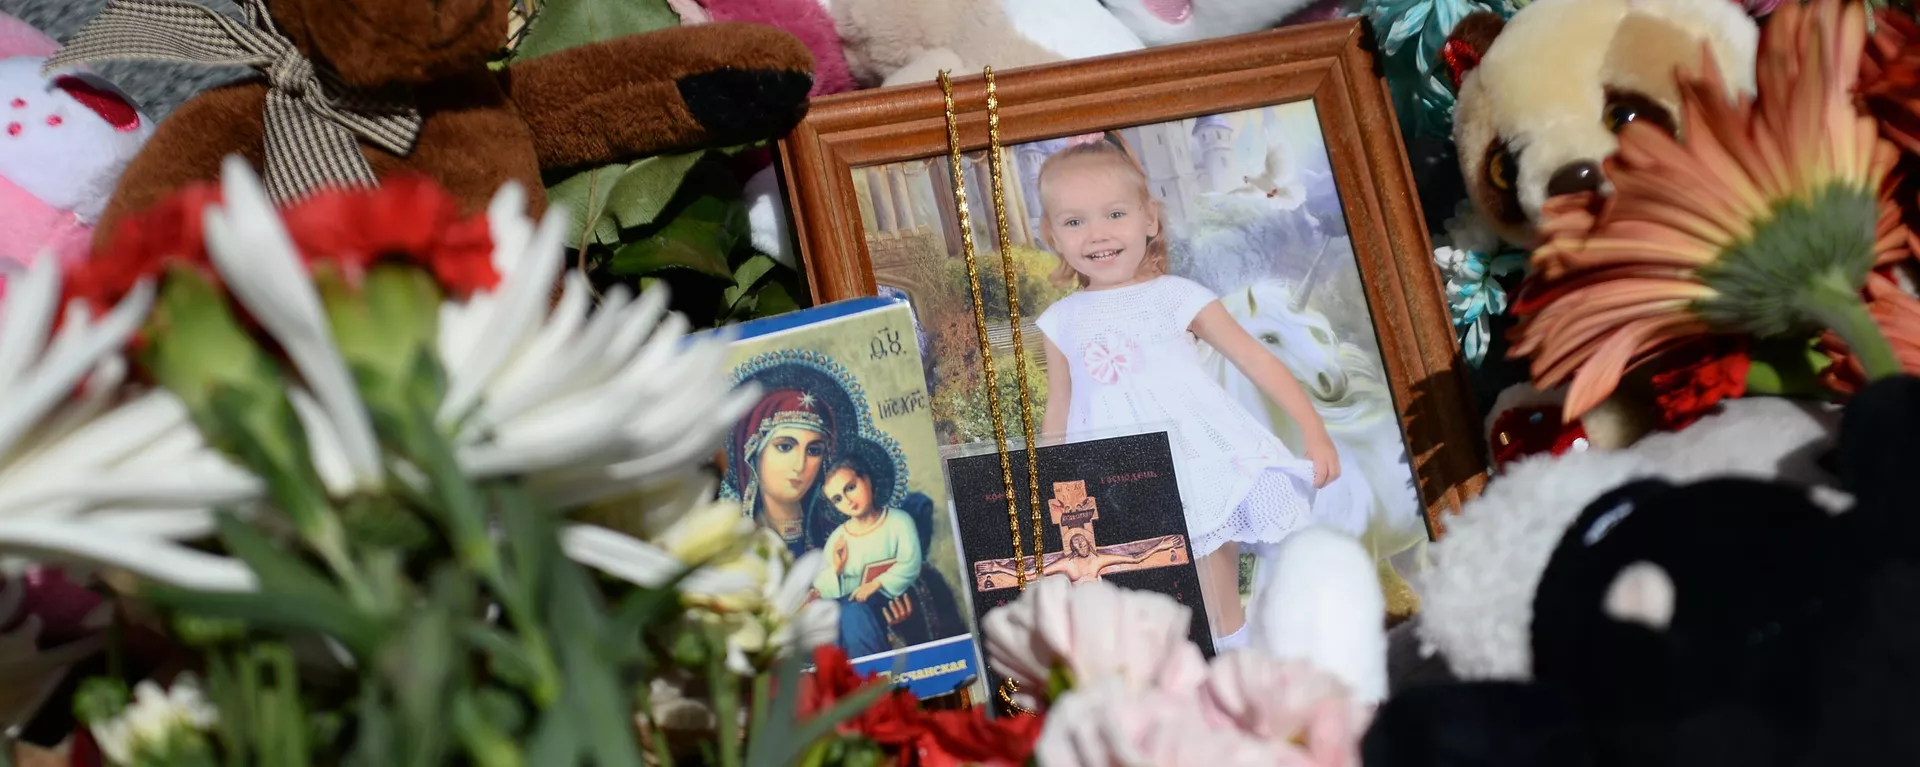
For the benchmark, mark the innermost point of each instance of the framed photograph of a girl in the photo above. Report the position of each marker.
(809, 462)
(1221, 235)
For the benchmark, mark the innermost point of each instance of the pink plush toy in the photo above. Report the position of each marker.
(805, 19)
(63, 142)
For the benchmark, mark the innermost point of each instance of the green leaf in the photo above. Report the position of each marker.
(282, 573)
(774, 299)
(584, 195)
(747, 275)
(604, 200)
(596, 697)
(376, 741)
(277, 612)
(292, 594)
(421, 669)
(699, 238)
(556, 741)
(645, 189)
(699, 229)
(563, 24)
(508, 659)
(488, 745)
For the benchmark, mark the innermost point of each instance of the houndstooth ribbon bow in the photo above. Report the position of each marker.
(314, 121)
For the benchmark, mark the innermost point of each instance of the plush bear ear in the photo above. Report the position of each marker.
(1468, 42)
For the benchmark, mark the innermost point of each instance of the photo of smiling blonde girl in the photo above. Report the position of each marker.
(1122, 350)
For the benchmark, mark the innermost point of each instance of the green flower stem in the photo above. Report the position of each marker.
(1834, 301)
(546, 669)
(329, 539)
(724, 688)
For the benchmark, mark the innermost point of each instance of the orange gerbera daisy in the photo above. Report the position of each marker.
(1764, 219)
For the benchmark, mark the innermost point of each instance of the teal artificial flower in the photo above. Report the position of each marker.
(1471, 261)
(1413, 32)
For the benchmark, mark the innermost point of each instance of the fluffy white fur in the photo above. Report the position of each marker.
(1477, 599)
(1318, 599)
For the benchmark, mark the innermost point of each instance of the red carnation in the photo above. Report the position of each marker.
(917, 738)
(952, 738)
(407, 217)
(1697, 377)
(145, 244)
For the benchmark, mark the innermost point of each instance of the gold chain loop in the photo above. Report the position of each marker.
(1009, 686)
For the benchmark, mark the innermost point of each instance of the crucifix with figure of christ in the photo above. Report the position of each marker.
(1081, 557)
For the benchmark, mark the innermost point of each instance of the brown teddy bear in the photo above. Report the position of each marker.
(344, 75)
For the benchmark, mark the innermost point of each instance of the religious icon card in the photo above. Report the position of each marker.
(838, 455)
(1110, 510)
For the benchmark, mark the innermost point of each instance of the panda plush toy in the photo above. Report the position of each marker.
(1721, 621)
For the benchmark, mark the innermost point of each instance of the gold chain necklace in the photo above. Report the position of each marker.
(1009, 687)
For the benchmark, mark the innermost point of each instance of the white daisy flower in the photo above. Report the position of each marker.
(153, 717)
(584, 402)
(87, 474)
(751, 586)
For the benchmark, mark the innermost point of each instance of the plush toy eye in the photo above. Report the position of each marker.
(1627, 107)
(1502, 172)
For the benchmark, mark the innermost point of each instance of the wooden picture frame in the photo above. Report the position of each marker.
(1331, 63)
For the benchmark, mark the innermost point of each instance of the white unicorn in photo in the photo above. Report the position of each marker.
(1375, 497)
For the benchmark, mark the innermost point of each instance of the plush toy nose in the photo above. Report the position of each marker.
(1575, 177)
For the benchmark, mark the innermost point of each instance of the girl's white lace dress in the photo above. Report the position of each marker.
(1134, 363)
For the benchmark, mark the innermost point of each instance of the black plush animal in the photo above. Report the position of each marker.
(1731, 622)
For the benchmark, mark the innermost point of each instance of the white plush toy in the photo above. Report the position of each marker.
(64, 140)
(1318, 599)
(1477, 599)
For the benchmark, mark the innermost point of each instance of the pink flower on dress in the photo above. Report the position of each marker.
(1107, 364)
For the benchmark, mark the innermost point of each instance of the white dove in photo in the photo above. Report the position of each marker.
(1275, 181)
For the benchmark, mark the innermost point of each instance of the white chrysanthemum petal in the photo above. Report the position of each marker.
(25, 317)
(99, 393)
(76, 461)
(44, 384)
(168, 524)
(507, 319)
(262, 269)
(328, 454)
(161, 561)
(124, 433)
(635, 561)
(527, 382)
(463, 323)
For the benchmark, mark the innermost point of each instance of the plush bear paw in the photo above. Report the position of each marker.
(740, 105)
